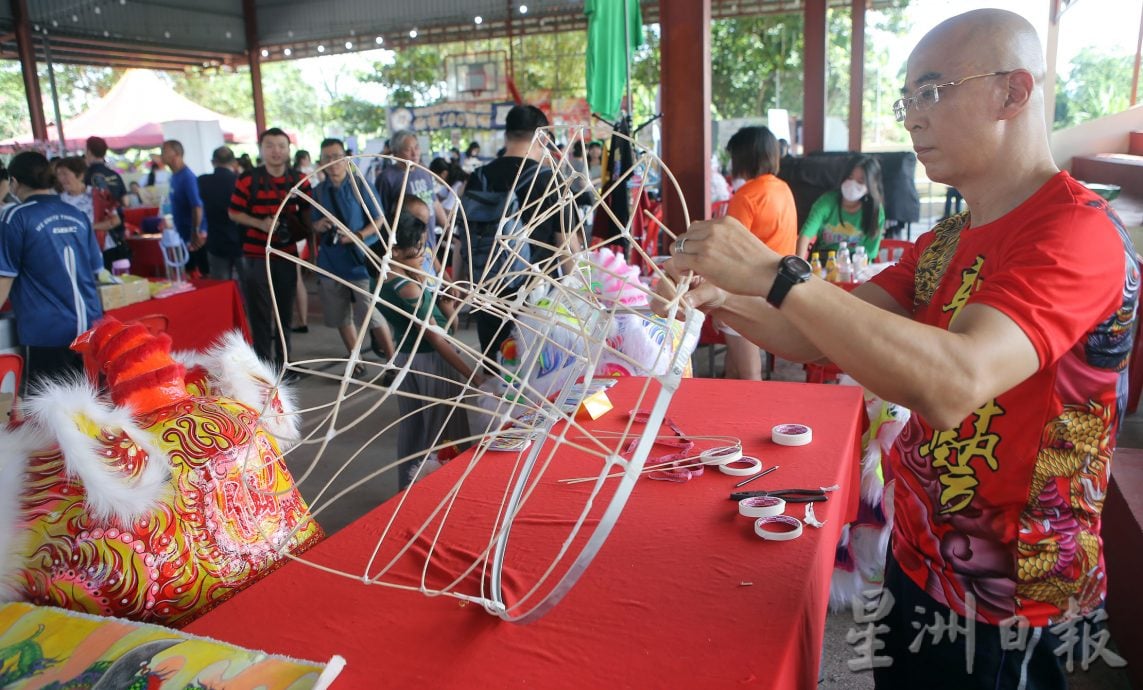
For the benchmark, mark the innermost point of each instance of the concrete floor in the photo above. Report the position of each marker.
(315, 391)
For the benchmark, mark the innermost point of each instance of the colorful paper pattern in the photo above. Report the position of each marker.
(46, 648)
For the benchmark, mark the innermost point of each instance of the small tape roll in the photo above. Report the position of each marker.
(791, 528)
(761, 506)
(753, 466)
(721, 456)
(791, 434)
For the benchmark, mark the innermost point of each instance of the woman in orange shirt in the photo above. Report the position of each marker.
(765, 205)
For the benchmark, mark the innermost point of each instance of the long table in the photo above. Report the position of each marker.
(682, 594)
(195, 319)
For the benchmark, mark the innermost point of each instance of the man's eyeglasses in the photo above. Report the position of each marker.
(929, 95)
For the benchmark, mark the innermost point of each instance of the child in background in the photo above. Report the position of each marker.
(436, 370)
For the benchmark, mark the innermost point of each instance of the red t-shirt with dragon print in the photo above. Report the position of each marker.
(1007, 506)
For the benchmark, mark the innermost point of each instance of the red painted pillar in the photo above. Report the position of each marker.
(685, 78)
(813, 77)
(254, 56)
(856, 73)
(27, 53)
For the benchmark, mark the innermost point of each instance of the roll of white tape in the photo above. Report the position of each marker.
(721, 455)
(761, 506)
(790, 528)
(751, 466)
(791, 434)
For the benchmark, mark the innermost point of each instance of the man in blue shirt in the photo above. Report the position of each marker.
(186, 206)
(351, 202)
(48, 262)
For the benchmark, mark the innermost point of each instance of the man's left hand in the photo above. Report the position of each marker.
(198, 239)
(725, 254)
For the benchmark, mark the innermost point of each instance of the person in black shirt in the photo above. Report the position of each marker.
(535, 197)
(107, 193)
(223, 235)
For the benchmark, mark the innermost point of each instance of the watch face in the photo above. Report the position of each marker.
(796, 267)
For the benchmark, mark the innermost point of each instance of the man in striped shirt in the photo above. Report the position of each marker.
(257, 196)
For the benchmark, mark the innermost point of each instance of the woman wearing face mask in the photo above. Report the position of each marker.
(855, 213)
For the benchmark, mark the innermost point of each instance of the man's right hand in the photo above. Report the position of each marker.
(701, 294)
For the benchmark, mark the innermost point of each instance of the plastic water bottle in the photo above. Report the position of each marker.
(860, 263)
(831, 273)
(844, 266)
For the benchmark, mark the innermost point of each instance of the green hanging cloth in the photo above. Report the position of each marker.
(607, 52)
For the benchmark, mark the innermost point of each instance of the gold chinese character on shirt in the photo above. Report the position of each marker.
(969, 283)
(952, 456)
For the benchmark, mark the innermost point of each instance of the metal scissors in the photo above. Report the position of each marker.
(787, 495)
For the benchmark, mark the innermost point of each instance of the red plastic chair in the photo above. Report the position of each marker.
(829, 372)
(893, 249)
(11, 370)
(154, 323)
(713, 338)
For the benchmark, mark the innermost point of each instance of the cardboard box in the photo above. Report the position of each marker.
(135, 289)
(111, 296)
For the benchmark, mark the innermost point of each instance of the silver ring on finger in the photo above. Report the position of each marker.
(679, 244)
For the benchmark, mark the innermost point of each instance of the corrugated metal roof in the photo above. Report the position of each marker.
(175, 34)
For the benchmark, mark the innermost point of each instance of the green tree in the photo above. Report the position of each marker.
(414, 77)
(356, 116)
(223, 91)
(756, 64)
(78, 87)
(646, 66)
(1098, 84)
(291, 102)
(13, 103)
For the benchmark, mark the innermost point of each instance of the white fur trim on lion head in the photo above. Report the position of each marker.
(234, 371)
(59, 410)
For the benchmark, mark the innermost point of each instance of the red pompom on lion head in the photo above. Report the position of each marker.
(138, 366)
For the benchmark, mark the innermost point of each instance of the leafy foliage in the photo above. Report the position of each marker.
(414, 77)
(1097, 84)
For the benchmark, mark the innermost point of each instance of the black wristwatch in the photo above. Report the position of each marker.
(792, 270)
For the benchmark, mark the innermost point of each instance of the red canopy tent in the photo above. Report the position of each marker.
(132, 113)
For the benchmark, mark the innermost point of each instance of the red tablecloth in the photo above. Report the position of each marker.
(663, 605)
(196, 318)
(146, 256)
